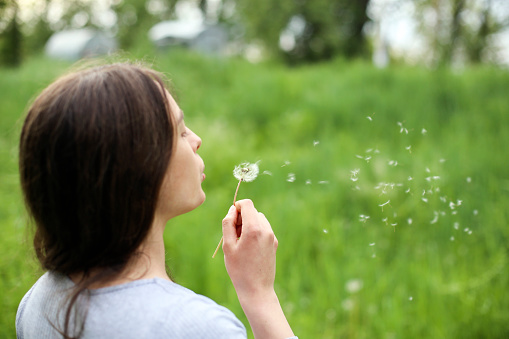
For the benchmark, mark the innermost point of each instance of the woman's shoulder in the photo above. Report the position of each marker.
(162, 306)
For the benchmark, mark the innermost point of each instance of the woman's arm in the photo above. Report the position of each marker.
(250, 257)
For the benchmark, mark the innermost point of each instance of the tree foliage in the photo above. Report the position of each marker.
(321, 28)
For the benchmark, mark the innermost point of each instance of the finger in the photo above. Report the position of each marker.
(247, 212)
(229, 226)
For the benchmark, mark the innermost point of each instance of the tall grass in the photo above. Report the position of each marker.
(422, 268)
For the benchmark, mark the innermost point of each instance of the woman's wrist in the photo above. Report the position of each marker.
(265, 315)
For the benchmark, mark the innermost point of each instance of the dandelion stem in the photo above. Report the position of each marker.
(234, 200)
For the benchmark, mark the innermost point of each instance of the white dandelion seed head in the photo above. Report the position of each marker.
(353, 285)
(246, 171)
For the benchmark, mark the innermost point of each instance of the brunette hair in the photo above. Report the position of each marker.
(94, 149)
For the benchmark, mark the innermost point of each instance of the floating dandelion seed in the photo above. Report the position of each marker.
(456, 225)
(475, 212)
(325, 231)
(393, 163)
(402, 128)
(291, 177)
(469, 180)
(323, 182)
(442, 160)
(315, 142)
(409, 148)
(452, 238)
(410, 298)
(286, 163)
(410, 221)
(435, 219)
(369, 118)
(363, 218)
(372, 244)
(424, 199)
(410, 179)
(308, 182)
(424, 131)
(385, 203)
(244, 172)
(267, 173)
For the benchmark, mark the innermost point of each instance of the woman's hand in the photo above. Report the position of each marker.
(249, 247)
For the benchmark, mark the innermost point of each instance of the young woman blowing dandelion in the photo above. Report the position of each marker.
(106, 161)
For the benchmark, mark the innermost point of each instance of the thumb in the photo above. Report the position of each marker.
(229, 227)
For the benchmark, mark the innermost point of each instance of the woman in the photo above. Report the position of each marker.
(105, 161)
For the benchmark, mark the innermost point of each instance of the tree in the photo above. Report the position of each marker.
(308, 30)
(10, 37)
(461, 29)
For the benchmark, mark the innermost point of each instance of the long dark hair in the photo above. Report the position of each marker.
(94, 149)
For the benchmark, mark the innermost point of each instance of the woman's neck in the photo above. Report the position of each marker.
(148, 263)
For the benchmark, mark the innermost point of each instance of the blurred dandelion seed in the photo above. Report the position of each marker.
(435, 219)
(286, 163)
(354, 285)
(442, 160)
(456, 225)
(393, 163)
(424, 199)
(475, 212)
(469, 180)
(410, 178)
(372, 244)
(409, 148)
(323, 182)
(363, 218)
(325, 231)
(308, 182)
(424, 131)
(410, 298)
(428, 170)
(291, 177)
(410, 221)
(402, 128)
(385, 203)
(452, 238)
(315, 142)
(374, 255)
(267, 173)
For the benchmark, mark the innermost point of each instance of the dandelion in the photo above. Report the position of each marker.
(244, 172)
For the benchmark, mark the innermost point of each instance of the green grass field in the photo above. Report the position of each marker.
(388, 191)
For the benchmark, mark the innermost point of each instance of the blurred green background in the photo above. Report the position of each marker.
(387, 188)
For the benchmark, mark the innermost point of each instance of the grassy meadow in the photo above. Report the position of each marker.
(388, 191)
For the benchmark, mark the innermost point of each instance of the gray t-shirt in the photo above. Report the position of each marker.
(152, 308)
